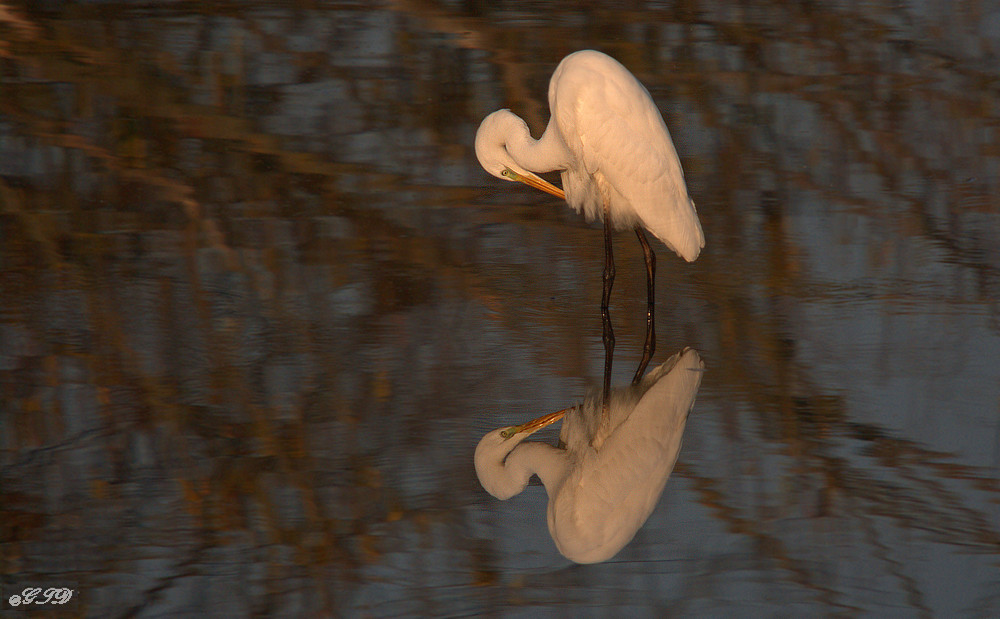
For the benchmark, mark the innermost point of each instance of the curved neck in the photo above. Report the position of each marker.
(546, 461)
(544, 155)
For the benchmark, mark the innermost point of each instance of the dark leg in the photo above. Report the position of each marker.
(650, 346)
(609, 333)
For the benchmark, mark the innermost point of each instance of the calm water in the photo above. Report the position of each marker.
(259, 302)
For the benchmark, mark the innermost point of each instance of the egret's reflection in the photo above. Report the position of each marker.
(606, 475)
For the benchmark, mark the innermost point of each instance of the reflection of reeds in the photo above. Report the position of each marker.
(918, 489)
(169, 290)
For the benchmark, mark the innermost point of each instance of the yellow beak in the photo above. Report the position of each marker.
(538, 183)
(536, 424)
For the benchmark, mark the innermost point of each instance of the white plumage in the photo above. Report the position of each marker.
(605, 478)
(610, 144)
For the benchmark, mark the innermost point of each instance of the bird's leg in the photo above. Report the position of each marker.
(650, 346)
(609, 333)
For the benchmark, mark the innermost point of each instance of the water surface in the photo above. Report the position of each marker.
(259, 302)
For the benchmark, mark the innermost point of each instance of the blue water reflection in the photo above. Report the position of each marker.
(258, 302)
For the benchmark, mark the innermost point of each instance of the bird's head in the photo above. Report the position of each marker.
(492, 452)
(494, 133)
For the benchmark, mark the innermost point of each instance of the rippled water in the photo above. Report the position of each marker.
(259, 302)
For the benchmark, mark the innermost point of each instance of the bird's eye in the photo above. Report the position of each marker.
(505, 172)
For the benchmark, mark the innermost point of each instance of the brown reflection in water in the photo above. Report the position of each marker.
(213, 295)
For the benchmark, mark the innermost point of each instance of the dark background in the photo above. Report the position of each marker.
(259, 302)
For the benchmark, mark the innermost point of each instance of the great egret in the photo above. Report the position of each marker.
(616, 159)
(607, 474)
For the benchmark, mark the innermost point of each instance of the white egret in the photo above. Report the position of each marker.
(617, 163)
(606, 476)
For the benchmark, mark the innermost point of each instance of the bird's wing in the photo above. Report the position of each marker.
(610, 492)
(611, 125)
(616, 487)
